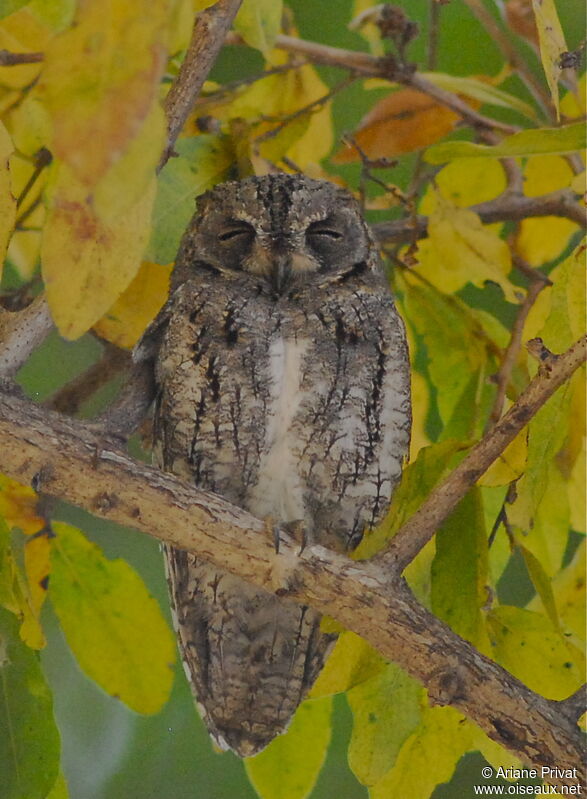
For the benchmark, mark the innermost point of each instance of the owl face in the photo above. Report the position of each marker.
(282, 231)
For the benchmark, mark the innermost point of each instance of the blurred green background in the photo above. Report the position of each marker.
(109, 752)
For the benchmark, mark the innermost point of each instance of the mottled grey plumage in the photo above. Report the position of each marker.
(283, 385)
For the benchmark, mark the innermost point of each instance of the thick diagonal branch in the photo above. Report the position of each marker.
(66, 460)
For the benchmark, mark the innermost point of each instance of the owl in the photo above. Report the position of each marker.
(282, 381)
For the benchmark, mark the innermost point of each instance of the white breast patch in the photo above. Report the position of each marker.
(279, 492)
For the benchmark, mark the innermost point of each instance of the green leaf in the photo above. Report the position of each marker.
(566, 320)
(259, 22)
(541, 141)
(112, 624)
(546, 435)
(542, 584)
(29, 741)
(417, 481)
(486, 93)
(202, 163)
(10, 6)
(386, 710)
(528, 646)
(428, 757)
(459, 361)
(459, 569)
(289, 767)
(57, 14)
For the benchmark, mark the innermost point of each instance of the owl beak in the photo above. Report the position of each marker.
(281, 272)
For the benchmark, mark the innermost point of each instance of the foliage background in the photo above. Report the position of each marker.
(108, 750)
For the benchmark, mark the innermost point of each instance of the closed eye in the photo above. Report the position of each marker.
(242, 230)
(320, 229)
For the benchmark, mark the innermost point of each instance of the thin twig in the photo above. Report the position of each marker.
(440, 503)
(42, 159)
(509, 206)
(513, 57)
(21, 333)
(210, 29)
(8, 59)
(310, 108)
(369, 65)
(502, 379)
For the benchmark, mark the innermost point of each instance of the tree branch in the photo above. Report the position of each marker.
(69, 398)
(65, 459)
(9, 59)
(538, 281)
(509, 206)
(369, 65)
(21, 332)
(440, 503)
(210, 29)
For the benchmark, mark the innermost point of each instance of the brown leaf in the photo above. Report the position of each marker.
(404, 121)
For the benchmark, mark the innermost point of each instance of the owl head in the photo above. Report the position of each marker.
(282, 231)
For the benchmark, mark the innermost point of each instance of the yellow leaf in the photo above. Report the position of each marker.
(7, 199)
(546, 435)
(37, 554)
(569, 590)
(259, 22)
(112, 624)
(420, 393)
(460, 250)
(351, 663)
(138, 305)
(289, 767)
(509, 465)
(428, 757)
(386, 710)
(100, 81)
(542, 240)
(576, 488)
(566, 321)
(367, 29)
(551, 40)
(31, 126)
(88, 261)
(18, 505)
(307, 138)
(574, 104)
(22, 32)
(15, 595)
(481, 88)
(465, 182)
(127, 180)
(547, 537)
(528, 646)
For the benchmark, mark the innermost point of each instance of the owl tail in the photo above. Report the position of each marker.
(250, 656)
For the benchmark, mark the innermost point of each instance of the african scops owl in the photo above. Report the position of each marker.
(282, 384)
